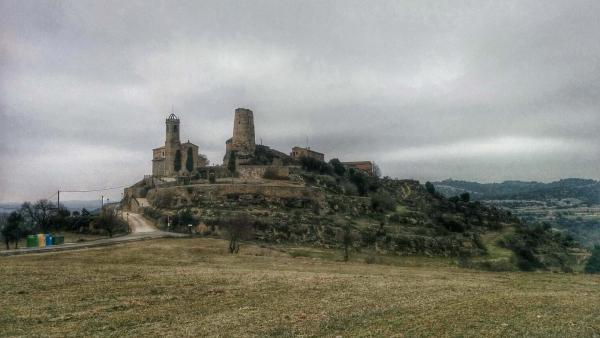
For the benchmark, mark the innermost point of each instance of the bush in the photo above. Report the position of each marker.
(338, 167)
(465, 197)
(272, 174)
(152, 213)
(164, 199)
(593, 263)
(361, 181)
(314, 165)
(349, 188)
(526, 260)
(430, 187)
(396, 218)
(382, 201)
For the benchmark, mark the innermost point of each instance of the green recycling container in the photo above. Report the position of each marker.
(32, 241)
(58, 239)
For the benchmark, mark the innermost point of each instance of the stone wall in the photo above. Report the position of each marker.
(257, 172)
(213, 193)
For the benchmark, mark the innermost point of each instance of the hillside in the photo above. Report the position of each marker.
(316, 205)
(193, 287)
(571, 205)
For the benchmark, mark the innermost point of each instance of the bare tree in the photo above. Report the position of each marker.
(40, 213)
(238, 228)
(109, 221)
(346, 239)
(376, 170)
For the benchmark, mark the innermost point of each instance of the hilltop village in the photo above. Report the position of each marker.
(298, 198)
(179, 160)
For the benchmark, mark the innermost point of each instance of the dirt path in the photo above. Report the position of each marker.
(141, 229)
(138, 224)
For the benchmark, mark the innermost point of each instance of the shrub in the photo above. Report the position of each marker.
(164, 199)
(382, 201)
(272, 174)
(359, 179)
(526, 260)
(337, 166)
(396, 218)
(593, 263)
(430, 187)
(152, 213)
(314, 165)
(465, 197)
(349, 188)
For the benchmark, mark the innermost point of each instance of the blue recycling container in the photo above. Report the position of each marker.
(48, 240)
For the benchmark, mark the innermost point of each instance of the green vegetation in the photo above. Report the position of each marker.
(11, 228)
(570, 205)
(231, 163)
(43, 216)
(430, 187)
(593, 263)
(391, 216)
(177, 160)
(189, 162)
(585, 190)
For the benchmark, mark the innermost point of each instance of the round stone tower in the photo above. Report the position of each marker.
(172, 143)
(243, 132)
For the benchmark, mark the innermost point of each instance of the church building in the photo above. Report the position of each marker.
(175, 158)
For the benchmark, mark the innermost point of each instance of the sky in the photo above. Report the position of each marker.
(475, 90)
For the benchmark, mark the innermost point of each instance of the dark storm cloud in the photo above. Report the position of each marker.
(485, 90)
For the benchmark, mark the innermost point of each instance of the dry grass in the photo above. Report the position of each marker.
(191, 287)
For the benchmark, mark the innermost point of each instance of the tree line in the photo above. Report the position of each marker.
(44, 216)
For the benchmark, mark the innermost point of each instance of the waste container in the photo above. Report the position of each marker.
(32, 241)
(41, 240)
(48, 240)
(58, 239)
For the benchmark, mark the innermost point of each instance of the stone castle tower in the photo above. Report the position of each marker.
(172, 144)
(243, 141)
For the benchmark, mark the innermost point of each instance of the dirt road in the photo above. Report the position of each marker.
(138, 224)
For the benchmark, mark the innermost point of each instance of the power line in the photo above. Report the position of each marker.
(95, 190)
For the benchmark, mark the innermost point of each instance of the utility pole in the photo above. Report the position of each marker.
(58, 200)
(102, 203)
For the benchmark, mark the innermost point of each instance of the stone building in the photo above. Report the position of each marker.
(366, 166)
(243, 141)
(175, 158)
(298, 152)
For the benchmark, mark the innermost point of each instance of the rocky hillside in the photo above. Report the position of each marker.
(321, 202)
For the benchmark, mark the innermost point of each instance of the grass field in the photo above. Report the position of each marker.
(191, 287)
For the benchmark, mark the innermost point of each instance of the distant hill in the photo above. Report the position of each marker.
(585, 190)
(71, 205)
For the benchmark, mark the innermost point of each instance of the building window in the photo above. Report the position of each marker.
(175, 128)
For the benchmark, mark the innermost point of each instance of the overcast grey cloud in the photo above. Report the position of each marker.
(477, 90)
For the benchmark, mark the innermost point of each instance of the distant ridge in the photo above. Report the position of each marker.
(586, 190)
(71, 205)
